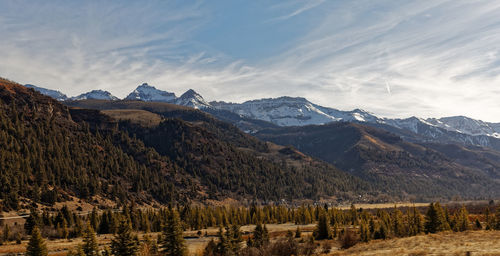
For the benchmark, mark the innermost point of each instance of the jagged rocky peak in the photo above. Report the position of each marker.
(190, 94)
(51, 93)
(192, 99)
(466, 125)
(95, 95)
(146, 92)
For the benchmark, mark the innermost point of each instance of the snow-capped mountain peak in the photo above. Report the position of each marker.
(292, 111)
(466, 125)
(146, 92)
(192, 99)
(95, 95)
(51, 93)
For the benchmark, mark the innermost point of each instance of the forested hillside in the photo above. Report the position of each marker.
(386, 160)
(391, 165)
(46, 156)
(222, 156)
(49, 152)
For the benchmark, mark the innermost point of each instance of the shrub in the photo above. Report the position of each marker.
(349, 239)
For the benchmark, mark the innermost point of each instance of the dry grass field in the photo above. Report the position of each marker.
(194, 243)
(486, 243)
(447, 243)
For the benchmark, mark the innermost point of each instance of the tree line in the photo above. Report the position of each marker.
(349, 226)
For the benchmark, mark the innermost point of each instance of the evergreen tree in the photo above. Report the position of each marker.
(397, 223)
(235, 238)
(32, 221)
(364, 232)
(497, 219)
(224, 247)
(104, 226)
(124, 243)
(488, 219)
(265, 235)
(323, 228)
(6, 233)
(435, 220)
(462, 220)
(415, 222)
(381, 233)
(260, 237)
(36, 245)
(172, 243)
(298, 233)
(94, 219)
(478, 224)
(90, 246)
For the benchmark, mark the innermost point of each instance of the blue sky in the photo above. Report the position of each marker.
(393, 58)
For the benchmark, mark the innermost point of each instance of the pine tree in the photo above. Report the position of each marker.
(435, 220)
(235, 238)
(462, 220)
(6, 233)
(224, 247)
(497, 219)
(323, 228)
(31, 222)
(173, 242)
(397, 223)
(104, 224)
(90, 246)
(415, 222)
(124, 243)
(478, 224)
(265, 235)
(364, 232)
(36, 245)
(93, 218)
(381, 233)
(260, 237)
(487, 219)
(298, 233)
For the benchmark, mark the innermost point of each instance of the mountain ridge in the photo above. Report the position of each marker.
(298, 111)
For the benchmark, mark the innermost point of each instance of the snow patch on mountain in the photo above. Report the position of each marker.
(51, 93)
(291, 111)
(146, 92)
(95, 95)
(466, 125)
(192, 99)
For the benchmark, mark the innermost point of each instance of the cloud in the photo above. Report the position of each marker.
(303, 6)
(423, 58)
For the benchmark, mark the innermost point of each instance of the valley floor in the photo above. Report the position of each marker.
(446, 243)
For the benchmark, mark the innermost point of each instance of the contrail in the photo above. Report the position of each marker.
(387, 87)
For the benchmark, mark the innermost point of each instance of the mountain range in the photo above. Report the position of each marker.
(156, 147)
(252, 116)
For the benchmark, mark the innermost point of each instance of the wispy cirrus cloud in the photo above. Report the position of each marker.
(425, 58)
(297, 7)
